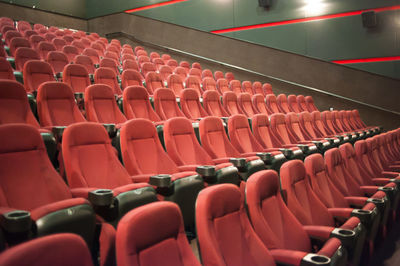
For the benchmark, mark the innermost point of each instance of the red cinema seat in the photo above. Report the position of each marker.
(24, 54)
(165, 104)
(207, 73)
(245, 103)
(57, 60)
(101, 106)
(310, 132)
(185, 65)
(109, 63)
(229, 76)
(235, 86)
(218, 75)
(6, 71)
(9, 35)
(209, 84)
(190, 104)
(77, 77)
(158, 62)
(196, 65)
(92, 53)
(35, 40)
(222, 86)
(281, 101)
(143, 240)
(44, 48)
(301, 101)
(143, 59)
(35, 73)
(86, 61)
(172, 63)
(267, 88)
(165, 71)
(184, 149)
(259, 105)
(293, 105)
(79, 45)
(212, 104)
(136, 104)
(59, 43)
(154, 55)
(131, 77)
(153, 82)
(148, 67)
(230, 103)
(175, 83)
(257, 88)
(192, 82)
(18, 42)
(129, 64)
(98, 48)
(271, 102)
(220, 218)
(310, 104)
(165, 57)
(247, 87)
(107, 76)
(287, 240)
(195, 72)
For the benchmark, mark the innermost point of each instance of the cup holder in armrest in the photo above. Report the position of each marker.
(78, 96)
(161, 181)
(287, 152)
(315, 259)
(206, 170)
(347, 237)
(111, 130)
(101, 197)
(16, 221)
(239, 163)
(265, 156)
(390, 191)
(365, 216)
(58, 131)
(303, 148)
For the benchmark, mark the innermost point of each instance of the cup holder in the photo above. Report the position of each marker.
(101, 197)
(376, 201)
(16, 221)
(365, 216)
(111, 130)
(315, 259)
(346, 232)
(287, 152)
(386, 188)
(303, 148)
(206, 170)
(265, 156)
(161, 181)
(239, 163)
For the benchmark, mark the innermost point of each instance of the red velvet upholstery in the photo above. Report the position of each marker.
(92, 53)
(58, 249)
(222, 85)
(196, 65)
(270, 100)
(235, 86)
(218, 75)
(77, 77)
(259, 104)
(6, 71)
(71, 52)
(181, 71)
(78, 44)
(229, 76)
(35, 40)
(319, 126)
(143, 59)
(98, 48)
(230, 103)
(110, 63)
(56, 105)
(164, 72)
(245, 103)
(193, 82)
(282, 102)
(185, 65)
(136, 104)
(278, 128)
(153, 235)
(100, 105)
(35, 73)
(273, 222)
(24, 54)
(85, 61)
(190, 104)
(225, 234)
(247, 87)
(207, 73)
(310, 104)
(292, 103)
(172, 63)
(107, 76)
(148, 67)
(175, 83)
(165, 104)
(18, 42)
(14, 106)
(59, 43)
(262, 133)
(153, 82)
(209, 84)
(57, 60)
(44, 48)
(296, 133)
(195, 72)
(9, 35)
(212, 104)
(131, 77)
(301, 101)
(257, 88)
(129, 62)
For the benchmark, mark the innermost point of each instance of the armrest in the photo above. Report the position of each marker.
(184, 168)
(369, 190)
(389, 174)
(52, 207)
(340, 212)
(318, 232)
(221, 160)
(287, 257)
(380, 181)
(356, 201)
(129, 187)
(394, 168)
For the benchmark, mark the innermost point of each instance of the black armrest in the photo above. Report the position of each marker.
(366, 216)
(101, 197)
(78, 96)
(266, 157)
(206, 171)
(58, 131)
(347, 237)
(239, 163)
(390, 192)
(111, 130)
(160, 181)
(16, 226)
(312, 259)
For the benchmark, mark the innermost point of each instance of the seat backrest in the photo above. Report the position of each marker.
(193, 82)
(90, 159)
(225, 234)
(195, 72)
(35, 73)
(9, 35)
(44, 48)
(229, 76)
(292, 103)
(181, 71)
(259, 104)
(281, 101)
(235, 86)
(306, 125)
(247, 87)
(154, 55)
(131, 77)
(245, 103)
(209, 84)
(136, 104)
(143, 59)
(321, 182)
(278, 128)
(273, 222)
(240, 135)
(212, 104)
(270, 100)
(165, 57)
(358, 119)
(24, 54)
(175, 83)
(76, 76)
(85, 61)
(172, 63)
(214, 139)
(98, 48)
(164, 72)
(153, 82)
(190, 104)
(327, 119)
(142, 151)
(222, 86)
(293, 126)
(257, 88)
(71, 52)
(165, 104)
(218, 75)
(57, 60)
(78, 44)
(318, 125)
(196, 65)
(185, 64)
(336, 121)
(17, 42)
(35, 40)
(56, 105)
(57, 249)
(107, 76)
(262, 132)
(148, 67)
(92, 53)
(301, 101)
(230, 103)
(142, 240)
(14, 105)
(301, 200)
(129, 63)
(6, 71)
(110, 63)
(182, 145)
(28, 179)
(310, 104)
(207, 73)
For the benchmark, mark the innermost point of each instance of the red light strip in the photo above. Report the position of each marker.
(154, 6)
(367, 60)
(293, 21)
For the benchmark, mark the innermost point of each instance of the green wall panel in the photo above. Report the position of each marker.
(390, 69)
